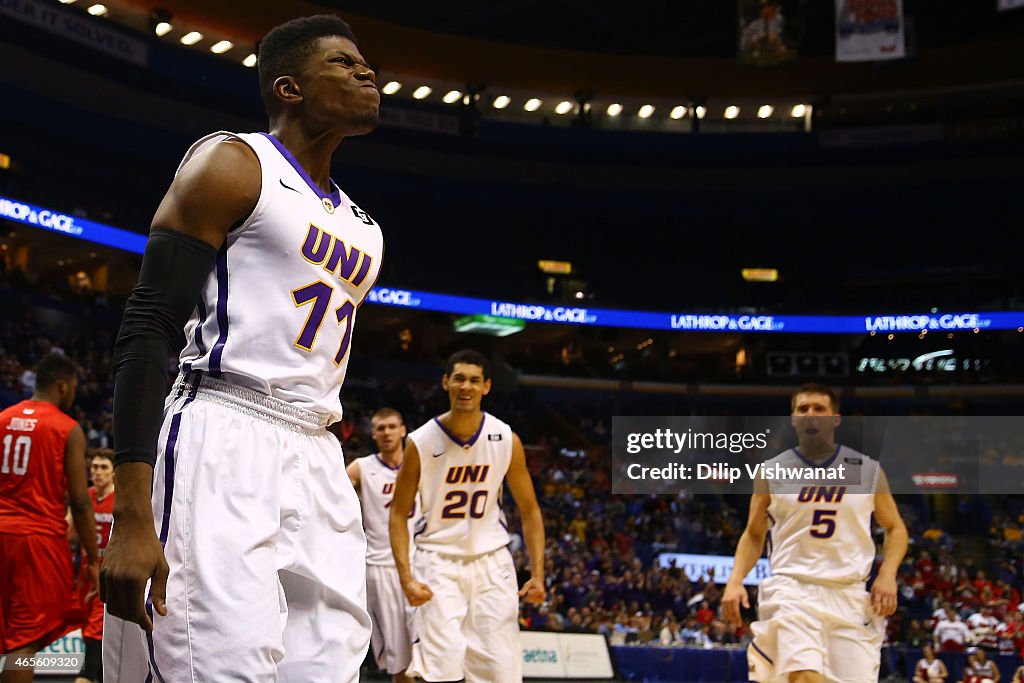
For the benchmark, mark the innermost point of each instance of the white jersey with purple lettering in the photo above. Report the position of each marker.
(821, 532)
(278, 311)
(461, 487)
(376, 489)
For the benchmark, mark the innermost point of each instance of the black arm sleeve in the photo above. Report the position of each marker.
(174, 268)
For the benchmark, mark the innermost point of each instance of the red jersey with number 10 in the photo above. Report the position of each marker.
(33, 488)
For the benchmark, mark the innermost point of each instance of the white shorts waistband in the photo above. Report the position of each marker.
(253, 403)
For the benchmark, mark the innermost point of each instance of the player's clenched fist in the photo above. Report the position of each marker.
(417, 592)
(133, 556)
(734, 597)
(533, 591)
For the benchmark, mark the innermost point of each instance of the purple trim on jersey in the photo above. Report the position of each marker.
(199, 328)
(811, 463)
(153, 668)
(472, 439)
(761, 652)
(169, 449)
(201, 309)
(393, 469)
(334, 196)
(222, 311)
(770, 518)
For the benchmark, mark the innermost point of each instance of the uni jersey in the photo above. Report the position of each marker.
(461, 488)
(278, 312)
(821, 533)
(33, 487)
(376, 489)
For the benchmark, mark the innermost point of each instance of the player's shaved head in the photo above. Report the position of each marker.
(286, 48)
(53, 368)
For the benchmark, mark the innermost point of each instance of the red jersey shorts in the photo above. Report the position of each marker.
(38, 602)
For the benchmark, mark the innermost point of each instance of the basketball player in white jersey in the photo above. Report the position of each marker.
(816, 621)
(464, 581)
(374, 480)
(237, 544)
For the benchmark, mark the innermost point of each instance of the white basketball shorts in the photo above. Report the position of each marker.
(470, 628)
(392, 617)
(263, 535)
(813, 627)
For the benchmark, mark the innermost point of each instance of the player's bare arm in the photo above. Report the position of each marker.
(79, 502)
(748, 551)
(213, 193)
(521, 486)
(354, 474)
(883, 591)
(406, 485)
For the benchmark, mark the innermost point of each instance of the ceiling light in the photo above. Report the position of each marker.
(66, 2)
(501, 101)
(701, 112)
(798, 111)
(677, 112)
(646, 111)
(97, 10)
(532, 104)
(421, 92)
(191, 38)
(563, 107)
(162, 28)
(765, 110)
(391, 87)
(250, 61)
(452, 96)
(732, 111)
(221, 47)
(614, 109)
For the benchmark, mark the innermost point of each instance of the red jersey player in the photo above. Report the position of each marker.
(102, 495)
(42, 469)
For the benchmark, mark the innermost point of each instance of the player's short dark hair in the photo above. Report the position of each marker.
(817, 388)
(105, 453)
(284, 50)
(469, 357)
(385, 413)
(53, 368)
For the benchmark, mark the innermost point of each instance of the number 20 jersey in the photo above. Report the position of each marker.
(818, 532)
(461, 483)
(277, 313)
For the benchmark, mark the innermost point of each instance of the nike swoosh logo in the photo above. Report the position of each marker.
(281, 180)
(438, 455)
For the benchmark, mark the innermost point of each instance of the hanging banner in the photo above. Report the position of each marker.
(767, 34)
(1004, 5)
(869, 30)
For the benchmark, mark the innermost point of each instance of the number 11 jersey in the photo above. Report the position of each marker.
(277, 313)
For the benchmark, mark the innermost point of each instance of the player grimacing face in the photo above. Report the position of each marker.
(814, 418)
(339, 87)
(388, 433)
(466, 387)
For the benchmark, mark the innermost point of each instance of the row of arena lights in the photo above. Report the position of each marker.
(614, 109)
(162, 28)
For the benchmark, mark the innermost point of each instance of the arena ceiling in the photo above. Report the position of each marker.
(645, 48)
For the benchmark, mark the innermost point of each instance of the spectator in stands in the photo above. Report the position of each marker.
(916, 636)
(984, 669)
(929, 668)
(950, 633)
(983, 627)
